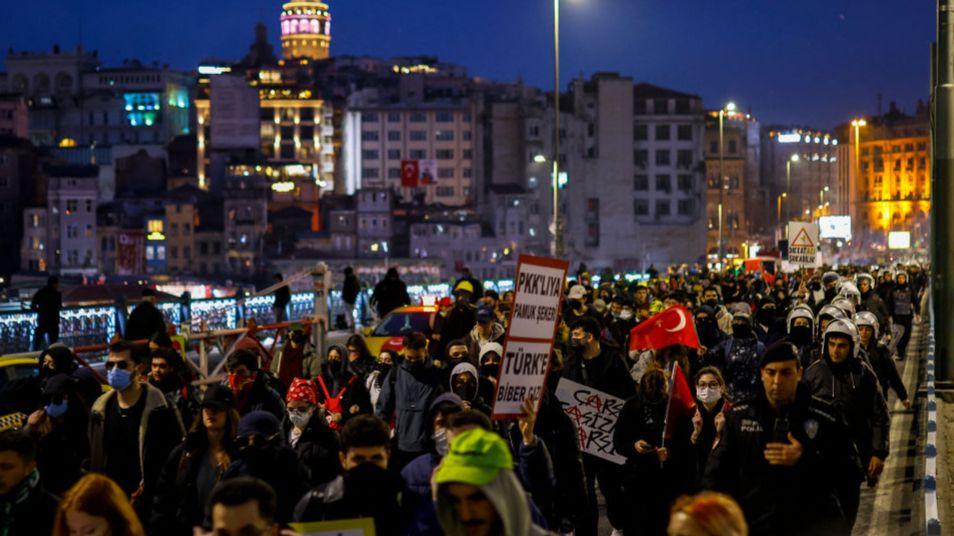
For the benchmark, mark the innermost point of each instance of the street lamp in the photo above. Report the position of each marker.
(728, 108)
(788, 183)
(778, 200)
(857, 124)
(557, 234)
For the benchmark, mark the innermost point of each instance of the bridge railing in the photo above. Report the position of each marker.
(932, 519)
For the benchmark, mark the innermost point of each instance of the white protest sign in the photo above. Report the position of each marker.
(538, 292)
(803, 244)
(595, 414)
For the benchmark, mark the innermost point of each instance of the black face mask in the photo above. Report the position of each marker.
(801, 336)
(490, 370)
(708, 331)
(336, 367)
(714, 303)
(765, 316)
(467, 391)
(741, 331)
(577, 305)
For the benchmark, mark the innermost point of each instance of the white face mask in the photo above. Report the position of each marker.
(625, 314)
(440, 441)
(708, 395)
(299, 418)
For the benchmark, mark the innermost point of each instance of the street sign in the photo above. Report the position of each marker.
(803, 244)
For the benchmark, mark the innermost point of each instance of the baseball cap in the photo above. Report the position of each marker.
(577, 292)
(218, 396)
(484, 314)
(475, 457)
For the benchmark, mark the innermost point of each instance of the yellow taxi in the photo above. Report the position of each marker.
(390, 331)
(14, 372)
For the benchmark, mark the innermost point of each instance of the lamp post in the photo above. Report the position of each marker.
(729, 107)
(778, 200)
(856, 125)
(557, 232)
(788, 186)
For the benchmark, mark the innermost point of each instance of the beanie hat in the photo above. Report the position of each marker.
(489, 347)
(476, 457)
(302, 390)
(258, 422)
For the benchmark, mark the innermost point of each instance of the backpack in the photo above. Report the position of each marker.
(333, 403)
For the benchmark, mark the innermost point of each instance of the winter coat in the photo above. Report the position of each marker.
(176, 507)
(317, 449)
(474, 340)
(145, 321)
(389, 294)
(28, 510)
(350, 289)
(509, 500)
(60, 453)
(261, 397)
(365, 491)
(355, 394)
(853, 388)
(406, 394)
(872, 302)
(783, 500)
(160, 430)
(457, 324)
(738, 360)
(606, 372)
(879, 357)
(47, 302)
(278, 466)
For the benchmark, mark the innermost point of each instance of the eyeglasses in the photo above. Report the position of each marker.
(121, 365)
(712, 385)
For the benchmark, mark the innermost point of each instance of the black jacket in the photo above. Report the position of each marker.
(47, 303)
(389, 294)
(145, 321)
(365, 491)
(355, 394)
(872, 302)
(350, 289)
(707, 436)
(261, 397)
(317, 450)
(28, 514)
(282, 297)
(854, 389)
(60, 453)
(278, 465)
(606, 372)
(879, 357)
(457, 324)
(800, 499)
(176, 507)
(557, 430)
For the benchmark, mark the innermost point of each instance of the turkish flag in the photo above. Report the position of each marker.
(410, 171)
(672, 326)
(681, 402)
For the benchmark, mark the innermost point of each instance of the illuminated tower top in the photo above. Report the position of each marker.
(306, 30)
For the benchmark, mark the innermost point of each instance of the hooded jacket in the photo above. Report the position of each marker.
(853, 387)
(407, 394)
(365, 491)
(508, 498)
(474, 341)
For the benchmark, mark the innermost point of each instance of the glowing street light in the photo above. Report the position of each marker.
(729, 107)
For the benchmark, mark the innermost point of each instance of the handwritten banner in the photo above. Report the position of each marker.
(595, 414)
(533, 322)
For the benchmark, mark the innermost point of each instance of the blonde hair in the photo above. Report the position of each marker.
(715, 514)
(98, 496)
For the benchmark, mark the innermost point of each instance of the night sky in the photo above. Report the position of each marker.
(807, 62)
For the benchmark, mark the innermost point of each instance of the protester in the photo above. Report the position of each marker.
(708, 423)
(96, 506)
(904, 310)
(488, 362)
(843, 378)
(781, 454)
(879, 357)
(382, 367)
(350, 289)
(464, 382)
(60, 429)
(308, 433)
(390, 293)
(170, 374)
(296, 358)
(367, 488)
(406, 394)
(461, 319)
(486, 330)
(194, 467)
(707, 514)
(47, 303)
(249, 385)
(282, 299)
(243, 506)
(26, 507)
(132, 429)
(341, 393)
(146, 319)
(738, 359)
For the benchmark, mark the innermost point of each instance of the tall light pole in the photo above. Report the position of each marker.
(730, 107)
(778, 200)
(788, 187)
(557, 232)
(856, 124)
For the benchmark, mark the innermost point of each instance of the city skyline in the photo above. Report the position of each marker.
(774, 51)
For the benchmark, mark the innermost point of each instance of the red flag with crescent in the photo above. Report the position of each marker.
(410, 173)
(672, 326)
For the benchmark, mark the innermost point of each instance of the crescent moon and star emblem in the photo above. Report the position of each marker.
(682, 321)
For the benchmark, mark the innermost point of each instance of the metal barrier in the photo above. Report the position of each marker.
(932, 519)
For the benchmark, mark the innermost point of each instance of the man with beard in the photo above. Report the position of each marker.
(738, 359)
(168, 376)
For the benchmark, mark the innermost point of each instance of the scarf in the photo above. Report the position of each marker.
(17, 496)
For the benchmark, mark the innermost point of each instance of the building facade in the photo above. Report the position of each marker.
(800, 166)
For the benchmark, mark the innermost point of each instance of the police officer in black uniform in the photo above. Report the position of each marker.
(844, 378)
(783, 453)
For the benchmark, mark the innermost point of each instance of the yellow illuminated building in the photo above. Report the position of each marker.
(306, 30)
(893, 190)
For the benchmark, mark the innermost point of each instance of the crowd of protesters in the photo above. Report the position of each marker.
(789, 419)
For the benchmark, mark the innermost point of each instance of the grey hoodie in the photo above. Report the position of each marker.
(508, 498)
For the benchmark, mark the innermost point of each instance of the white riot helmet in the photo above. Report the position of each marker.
(850, 291)
(867, 318)
(866, 277)
(799, 311)
(832, 311)
(845, 305)
(845, 328)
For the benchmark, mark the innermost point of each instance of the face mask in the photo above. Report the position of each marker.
(239, 382)
(577, 305)
(801, 335)
(466, 390)
(625, 314)
(741, 331)
(299, 418)
(708, 395)
(56, 410)
(712, 303)
(118, 378)
(766, 316)
(490, 370)
(440, 441)
(335, 366)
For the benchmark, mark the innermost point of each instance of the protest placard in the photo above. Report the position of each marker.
(342, 527)
(538, 292)
(803, 244)
(595, 414)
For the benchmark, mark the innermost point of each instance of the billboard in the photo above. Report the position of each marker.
(835, 227)
(131, 252)
(899, 240)
(235, 122)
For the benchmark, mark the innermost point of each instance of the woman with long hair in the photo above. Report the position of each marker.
(707, 514)
(341, 393)
(96, 506)
(196, 466)
(360, 360)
